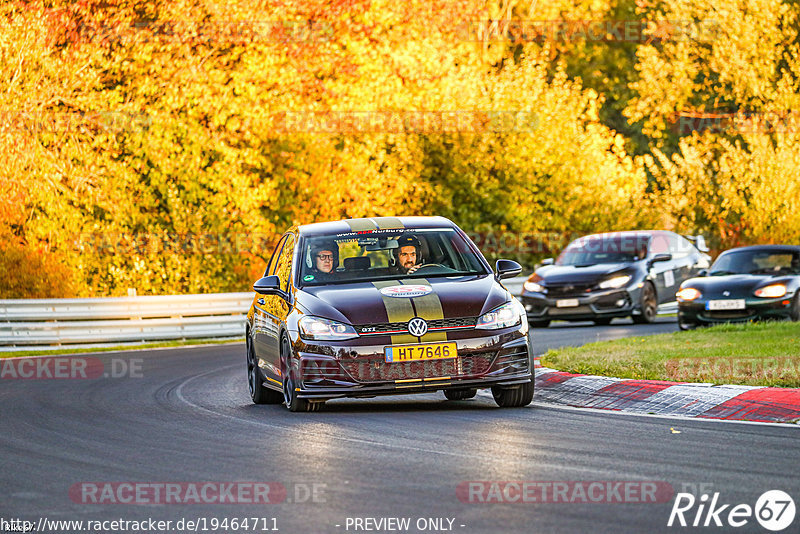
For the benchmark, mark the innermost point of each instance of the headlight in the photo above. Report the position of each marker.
(325, 329)
(508, 314)
(688, 293)
(771, 292)
(533, 287)
(617, 281)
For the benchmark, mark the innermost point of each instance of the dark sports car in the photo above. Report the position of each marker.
(760, 282)
(384, 306)
(618, 274)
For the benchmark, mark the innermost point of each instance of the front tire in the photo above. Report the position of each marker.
(290, 399)
(648, 303)
(683, 325)
(795, 315)
(460, 394)
(513, 397)
(259, 393)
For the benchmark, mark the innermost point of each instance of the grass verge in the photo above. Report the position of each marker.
(755, 354)
(142, 346)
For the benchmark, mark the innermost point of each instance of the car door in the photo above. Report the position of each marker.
(686, 258)
(276, 307)
(662, 273)
(264, 318)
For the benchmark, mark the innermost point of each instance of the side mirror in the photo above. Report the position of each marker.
(702, 272)
(269, 285)
(701, 244)
(548, 261)
(507, 269)
(660, 257)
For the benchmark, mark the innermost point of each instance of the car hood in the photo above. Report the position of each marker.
(737, 285)
(562, 274)
(363, 303)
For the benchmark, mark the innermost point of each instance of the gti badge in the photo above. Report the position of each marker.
(417, 327)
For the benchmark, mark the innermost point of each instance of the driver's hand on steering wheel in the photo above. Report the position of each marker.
(414, 268)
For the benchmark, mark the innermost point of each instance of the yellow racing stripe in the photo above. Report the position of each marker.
(360, 225)
(429, 307)
(398, 310)
(388, 223)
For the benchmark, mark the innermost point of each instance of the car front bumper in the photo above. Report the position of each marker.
(595, 305)
(696, 313)
(327, 371)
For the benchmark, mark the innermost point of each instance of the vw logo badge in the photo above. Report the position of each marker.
(417, 327)
(726, 293)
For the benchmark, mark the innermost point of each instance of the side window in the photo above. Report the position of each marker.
(284, 265)
(679, 247)
(659, 244)
(273, 260)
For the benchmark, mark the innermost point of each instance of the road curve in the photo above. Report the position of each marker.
(186, 417)
(564, 334)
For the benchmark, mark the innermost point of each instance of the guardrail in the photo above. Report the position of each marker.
(118, 319)
(514, 285)
(39, 322)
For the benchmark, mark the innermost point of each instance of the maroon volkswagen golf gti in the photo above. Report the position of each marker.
(385, 306)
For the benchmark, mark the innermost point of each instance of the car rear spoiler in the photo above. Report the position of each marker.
(698, 241)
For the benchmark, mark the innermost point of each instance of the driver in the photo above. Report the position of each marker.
(407, 254)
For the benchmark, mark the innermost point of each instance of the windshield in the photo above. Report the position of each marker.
(592, 250)
(386, 255)
(757, 262)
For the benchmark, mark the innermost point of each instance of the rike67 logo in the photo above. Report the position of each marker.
(774, 510)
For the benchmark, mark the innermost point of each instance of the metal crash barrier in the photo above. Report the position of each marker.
(29, 322)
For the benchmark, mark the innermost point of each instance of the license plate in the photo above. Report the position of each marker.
(420, 351)
(566, 303)
(731, 304)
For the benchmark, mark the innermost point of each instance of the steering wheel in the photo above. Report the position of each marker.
(424, 265)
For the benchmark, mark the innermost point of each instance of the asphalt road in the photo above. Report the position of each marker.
(566, 334)
(185, 416)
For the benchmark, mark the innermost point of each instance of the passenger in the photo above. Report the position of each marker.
(324, 259)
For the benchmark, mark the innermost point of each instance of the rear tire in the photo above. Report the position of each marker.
(460, 394)
(513, 397)
(290, 399)
(648, 303)
(540, 324)
(259, 393)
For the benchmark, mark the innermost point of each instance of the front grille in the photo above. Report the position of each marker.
(436, 324)
(610, 301)
(568, 290)
(515, 359)
(375, 369)
(575, 310)
(728, 314)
